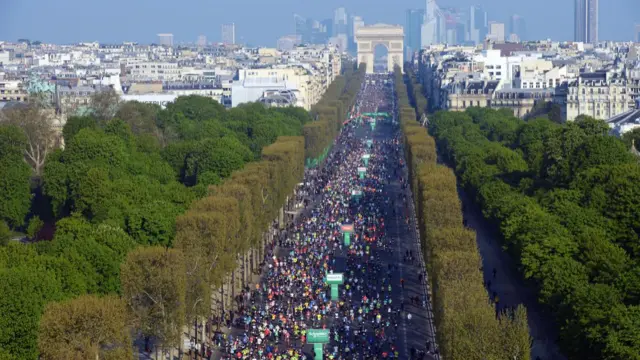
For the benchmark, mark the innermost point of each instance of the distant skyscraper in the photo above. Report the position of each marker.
(433, 29)
(302, 30)
(586, 21)
(340, 22)
(461, 30)
(517, 26)
(318, 32)
(357, 23)
(637, 34)
(310, 31)
(228, 33)
(165, 40)
(496, 31)
(477, 24)
(327, 24)
(202, 41)
(412, 29)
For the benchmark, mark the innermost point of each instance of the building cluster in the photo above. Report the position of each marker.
(576, 79)
(67, 76)
(339, 31)
(457, 26)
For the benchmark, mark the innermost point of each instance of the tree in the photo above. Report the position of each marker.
(37, 125)
(154, 287)
(15, 197)
(632, 137)
(76, 123)
(140, 117)
(5, 233)
(35, 225)
(95, 252)
(104, 104)
(87, 327)
(24, 295)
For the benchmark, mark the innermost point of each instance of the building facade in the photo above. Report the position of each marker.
(496, 32)
(601, 94)
(12, 90)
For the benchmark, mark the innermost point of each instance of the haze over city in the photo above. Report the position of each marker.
(261, 22)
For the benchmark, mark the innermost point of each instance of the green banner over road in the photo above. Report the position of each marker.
(318, 336)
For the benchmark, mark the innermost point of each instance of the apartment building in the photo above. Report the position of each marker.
(165, 71)
(12, 90)
(600, 94)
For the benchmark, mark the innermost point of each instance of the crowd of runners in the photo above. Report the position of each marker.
(292, 297)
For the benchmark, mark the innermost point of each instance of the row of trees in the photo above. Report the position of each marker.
(144, 212)
(565, 198)
(466, 322)
(331, 112)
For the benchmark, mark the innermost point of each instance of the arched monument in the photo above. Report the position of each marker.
(390, 36)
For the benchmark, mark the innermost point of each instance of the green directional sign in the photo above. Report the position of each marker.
(335, 292)
(356, 194)
(365, 159)
(335, 279)
(362, 171)
(318, 336)
(347, 229)
(369, 143)
(318, 349)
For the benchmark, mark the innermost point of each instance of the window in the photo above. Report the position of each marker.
(491, 73)
(499, 73)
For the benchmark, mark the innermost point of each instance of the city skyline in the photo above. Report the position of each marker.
(141, 22)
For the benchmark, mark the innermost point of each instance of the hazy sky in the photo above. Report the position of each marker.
(261, 22)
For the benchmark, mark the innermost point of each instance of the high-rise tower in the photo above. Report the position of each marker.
(586, 21)
(412, 28)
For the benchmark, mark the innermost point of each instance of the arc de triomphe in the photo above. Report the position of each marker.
(390, 36)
